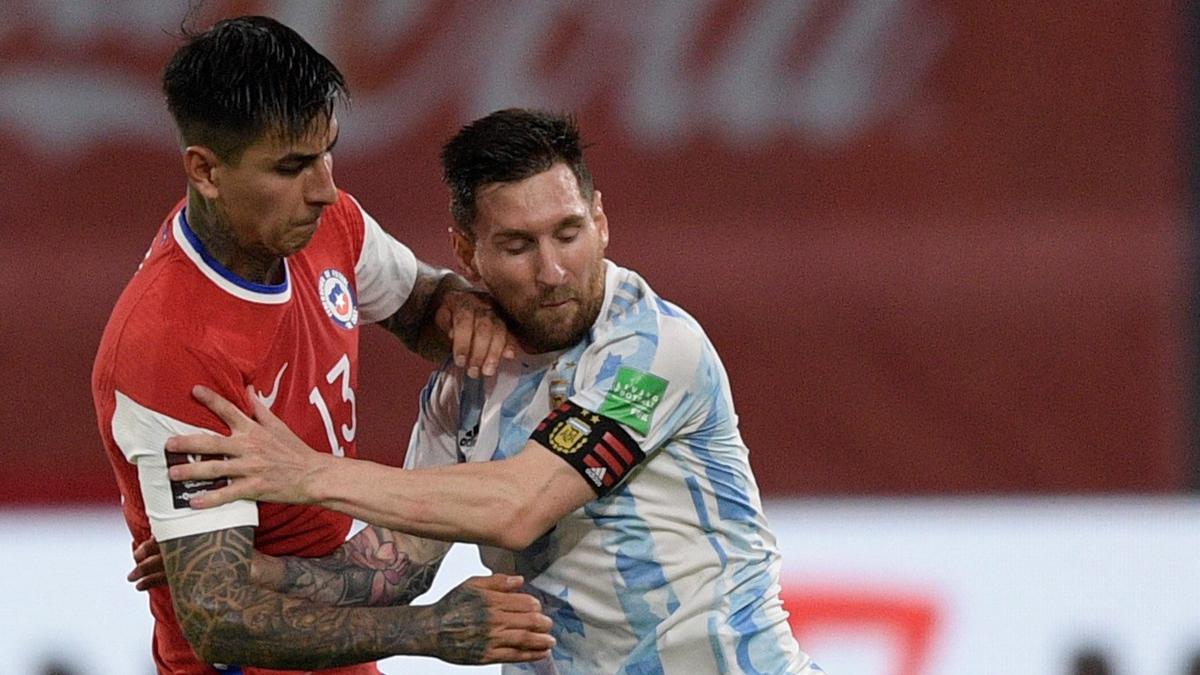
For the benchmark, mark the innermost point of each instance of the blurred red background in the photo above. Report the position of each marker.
(942, 247)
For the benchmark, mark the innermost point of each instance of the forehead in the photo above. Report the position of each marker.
(275, 143)
(541, 201)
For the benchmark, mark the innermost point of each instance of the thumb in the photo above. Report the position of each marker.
(496, 582)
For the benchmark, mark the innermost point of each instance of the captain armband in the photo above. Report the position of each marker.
(596, 446)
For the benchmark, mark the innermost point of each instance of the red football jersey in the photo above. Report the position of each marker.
(185, 320)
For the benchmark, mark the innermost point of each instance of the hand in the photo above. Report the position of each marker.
(487, 620)
(477, 334)
(148, 572)
(263, 459)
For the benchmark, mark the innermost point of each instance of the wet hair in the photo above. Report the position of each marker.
(246, 77)
(508, 146)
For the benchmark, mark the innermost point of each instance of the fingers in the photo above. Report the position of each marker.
(231, 493)
(149, 571)
(497, 346)
(221, 407)
(149, 581)
(480, 358)
(261, 412)
(520, 636)
(145, 568)
(201, 444)
(208, 470)
(496, 582)
(461, 336)
(520, 646)
(479, 338)
(145, 549)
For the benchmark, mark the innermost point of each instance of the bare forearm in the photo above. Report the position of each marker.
(229, 620)
(414, 323)
(377, 567)
(467, 502)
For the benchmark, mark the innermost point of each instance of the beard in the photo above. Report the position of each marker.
(545, 329)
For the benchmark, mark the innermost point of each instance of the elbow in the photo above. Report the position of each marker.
(212, 628)
(520, 526)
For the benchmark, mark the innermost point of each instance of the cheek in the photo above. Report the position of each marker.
(508, 279)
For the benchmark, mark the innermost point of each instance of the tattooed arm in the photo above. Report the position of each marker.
(444, 315)
(376, 567)
(227, 619)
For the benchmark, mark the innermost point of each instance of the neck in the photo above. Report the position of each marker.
(220, 243)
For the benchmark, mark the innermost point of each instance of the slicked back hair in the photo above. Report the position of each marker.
(246, 77)
(508, 146)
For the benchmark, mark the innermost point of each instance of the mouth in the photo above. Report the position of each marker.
(551, 304)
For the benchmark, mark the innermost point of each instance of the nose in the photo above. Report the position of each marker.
(321, 188)
(550, 269)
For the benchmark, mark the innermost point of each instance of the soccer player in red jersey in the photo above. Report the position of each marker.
(260, 277)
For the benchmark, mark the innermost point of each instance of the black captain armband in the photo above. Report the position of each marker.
(598, 447)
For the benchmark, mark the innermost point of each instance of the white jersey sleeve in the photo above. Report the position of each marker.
(386, 271)
(645, 370)
(435, 437)
(142, 433)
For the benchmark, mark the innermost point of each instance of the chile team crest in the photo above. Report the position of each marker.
(338, 299)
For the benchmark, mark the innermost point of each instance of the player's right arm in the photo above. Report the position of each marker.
(227, 619)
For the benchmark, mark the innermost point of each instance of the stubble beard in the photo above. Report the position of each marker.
(540, 334)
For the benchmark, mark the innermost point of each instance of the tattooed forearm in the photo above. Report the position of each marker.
(414, 322)
(229, 620)
(371, 569)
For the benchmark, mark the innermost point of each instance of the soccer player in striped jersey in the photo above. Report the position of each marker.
(604, 464)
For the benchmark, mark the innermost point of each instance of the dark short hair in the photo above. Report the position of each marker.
(507, 146)
(244, 77)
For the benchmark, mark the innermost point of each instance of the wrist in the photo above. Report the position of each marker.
(316, 486)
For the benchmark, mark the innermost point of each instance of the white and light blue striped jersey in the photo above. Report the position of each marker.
(675, 569)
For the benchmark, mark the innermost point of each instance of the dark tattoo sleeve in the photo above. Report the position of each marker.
(414, 322)
(229, 620)
(377, 567)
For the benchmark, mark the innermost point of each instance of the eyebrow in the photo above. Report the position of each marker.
(306, 158)
(573, 220)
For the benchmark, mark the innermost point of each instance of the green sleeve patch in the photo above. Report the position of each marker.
(633, 398)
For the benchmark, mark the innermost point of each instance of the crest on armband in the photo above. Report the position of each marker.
(596, 446)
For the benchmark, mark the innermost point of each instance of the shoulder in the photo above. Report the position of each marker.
(156, 348)
(644, 330)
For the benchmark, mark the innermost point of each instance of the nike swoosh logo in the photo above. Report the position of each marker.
(269, 399)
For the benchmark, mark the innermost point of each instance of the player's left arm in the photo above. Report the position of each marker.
(376, 567)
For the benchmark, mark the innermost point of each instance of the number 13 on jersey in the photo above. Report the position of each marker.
(340, 370)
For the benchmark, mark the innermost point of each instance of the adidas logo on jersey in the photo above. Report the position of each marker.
(597, 475)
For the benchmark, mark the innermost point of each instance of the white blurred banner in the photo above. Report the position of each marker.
(875, 587)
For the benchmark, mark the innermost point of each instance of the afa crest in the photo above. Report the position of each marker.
(569, 435)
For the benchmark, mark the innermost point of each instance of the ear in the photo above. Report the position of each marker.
(464, 251)
(202, 167)
(599, 217)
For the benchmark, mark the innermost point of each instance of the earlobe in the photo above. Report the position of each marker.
(201, 165)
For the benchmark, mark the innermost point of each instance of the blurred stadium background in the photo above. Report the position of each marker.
(946, 249)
